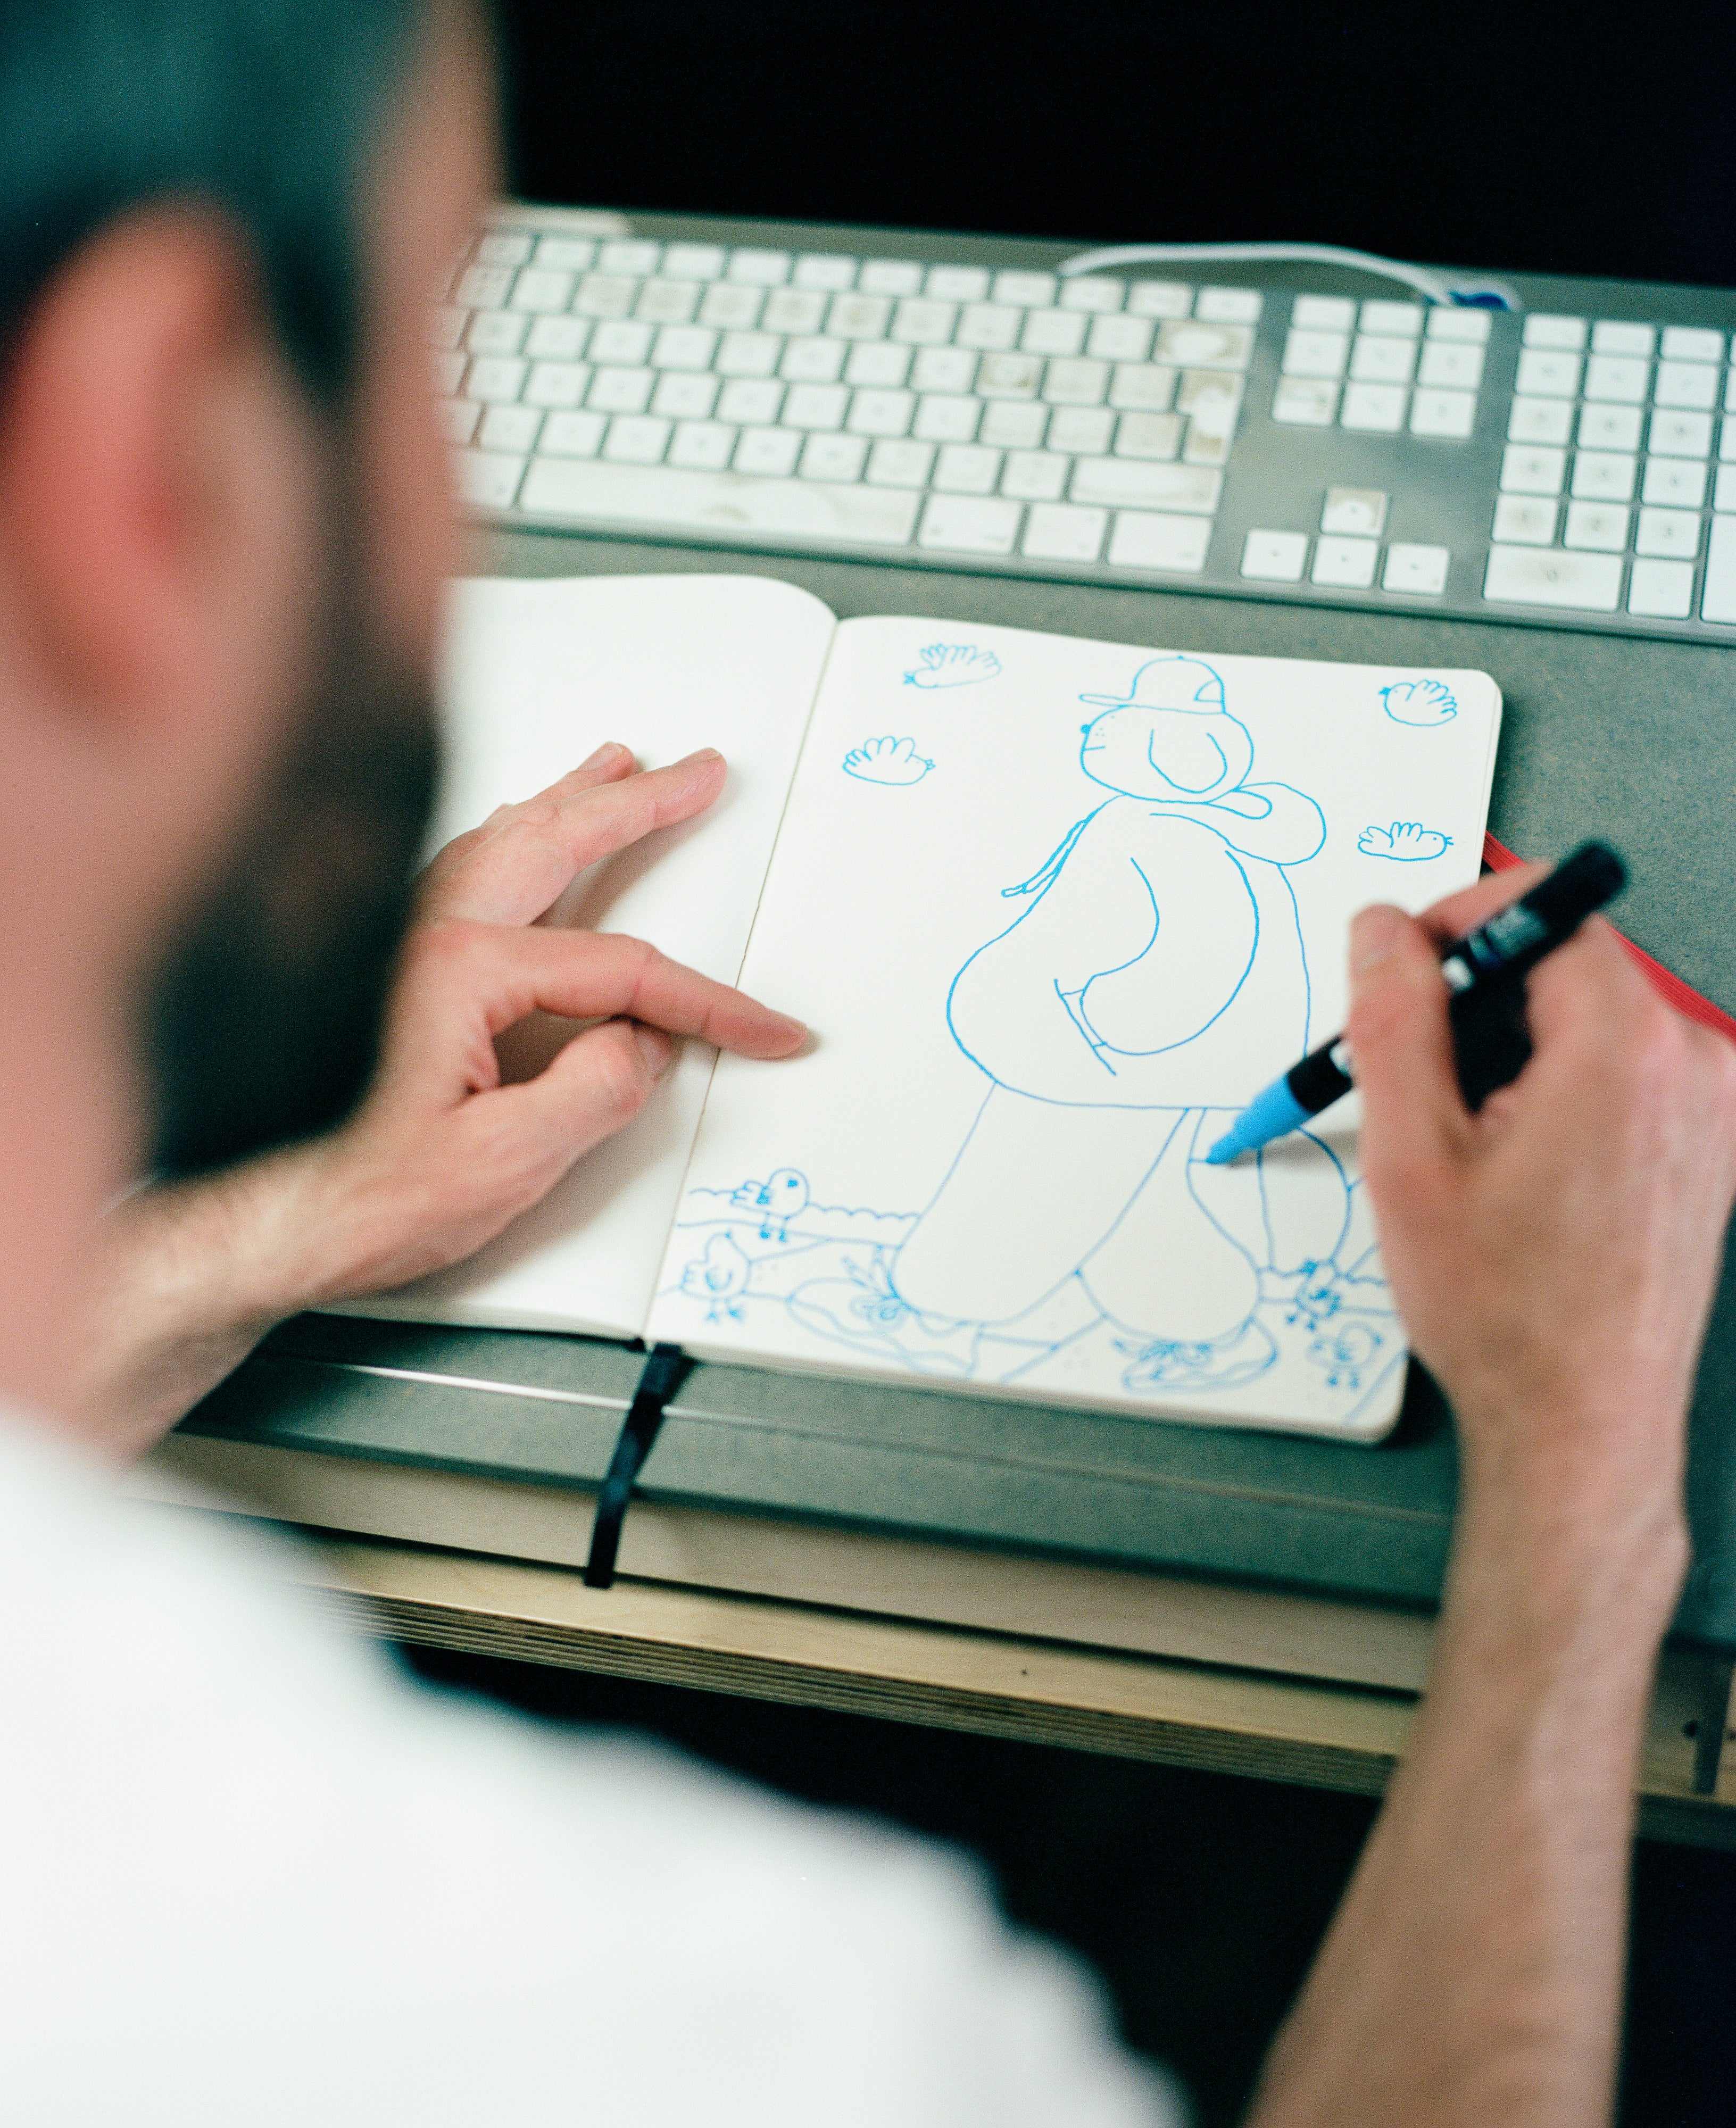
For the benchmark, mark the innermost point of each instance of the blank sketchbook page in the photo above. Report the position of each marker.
(1055, 909)
(535, 675)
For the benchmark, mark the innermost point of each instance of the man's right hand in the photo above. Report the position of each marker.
(1555, 1255)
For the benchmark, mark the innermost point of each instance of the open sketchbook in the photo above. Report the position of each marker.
(1054, 910)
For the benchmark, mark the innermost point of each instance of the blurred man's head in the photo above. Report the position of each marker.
(223, 524)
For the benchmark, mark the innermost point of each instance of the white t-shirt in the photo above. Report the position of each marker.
(251, 1875)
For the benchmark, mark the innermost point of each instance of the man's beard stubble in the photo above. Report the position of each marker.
(264, 1024)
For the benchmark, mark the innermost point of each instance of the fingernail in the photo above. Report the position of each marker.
(606, 752)
(654, 1046)
(792, 1026)
(704, 753)
(1372, 936)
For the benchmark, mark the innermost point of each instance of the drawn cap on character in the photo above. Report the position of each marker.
(1169, 737)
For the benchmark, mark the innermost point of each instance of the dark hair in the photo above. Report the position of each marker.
(263, 108)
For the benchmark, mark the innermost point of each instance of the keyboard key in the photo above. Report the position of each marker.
(620, 391)
(859, 317)
(630, 255)
(944, 369)
(893, 464)
(1449, 414)
(557, 384)
(815, 407)
(1013, 424)
(969, 525)
(1614, 336)
(573, 255)
(1086, 429)
(1148, 435)
(945, 418)
(750, 399)
(1160, 299)
(1662, 590)
(1528, 470)
(693, 262)
(1522, 575)
(605, 295)
(967, 469)
(538, 289)
(579, 435)
(760, 268)
(1277, 558)
(1454, 369)
(457, 419)
(496, 377)
(772, 451)
(483, 288)
(1078, 383)
(833, 457)
(1723, 488)
(1617, 376)
(874, 413)
(556, 340)
(1009, 376)
(1672, 532)
(1092, 291)
(1609, 428)
(1544, 329)
(1692, 343)
(1153, 540)
(830, 272)
(1379, 408)
(1052, 332)
(1333, 314)
(1604, 476)
(637, 439)
(890, 276)
(1315, 354)
(990, 326)
(1600, 526)
(486, 480)
(1404, 320)
(1526, 520)
(793, 310)
(744, 355)
(1718, 595)
(1374, 361)
(812, 360)
(1120, 338)
(621, 341)
(446, 371)
(1361, 512)
(446, 324)
(1685, 384)
(684, 347)
(1345, 564)
(1228, 306)
(720, 502)
(1546, 374)
(504, 247)
(1674, 483)
(880, 364)
(1194, 345)
(957, 284)
(1115, 482)
(668, 302)
(920, 322)
(1304, 402)
(1027, 291)
(497, 332)
(1036, 476)
(705, 446)
(1148, 387)
(731, 308)
(1466, 326)
(1540, 420)
(1421, 570)
(1064, 532)
(1679, 435)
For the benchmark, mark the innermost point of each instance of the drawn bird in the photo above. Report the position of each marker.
(954, 665)
(886, 760)
(1405, 842)
(718, 1278)
(1421, 702)
(1344, 1353)
(780, 1199)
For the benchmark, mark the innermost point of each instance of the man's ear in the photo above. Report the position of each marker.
(156, 503)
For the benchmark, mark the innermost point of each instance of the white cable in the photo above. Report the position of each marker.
(1431, 286)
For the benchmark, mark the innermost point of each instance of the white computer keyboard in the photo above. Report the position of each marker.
(1272, 440)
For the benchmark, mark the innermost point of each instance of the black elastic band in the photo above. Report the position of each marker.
(659, 1380)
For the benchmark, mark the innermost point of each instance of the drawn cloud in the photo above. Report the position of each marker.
(1421, 702)
(1405, 842)
(886, 760)
(954, 665)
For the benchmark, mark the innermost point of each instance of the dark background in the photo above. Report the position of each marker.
(1599, 140)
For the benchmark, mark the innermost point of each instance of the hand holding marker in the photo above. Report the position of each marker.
(1485, 973)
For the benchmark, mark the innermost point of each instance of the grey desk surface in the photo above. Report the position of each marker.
(1634, 740)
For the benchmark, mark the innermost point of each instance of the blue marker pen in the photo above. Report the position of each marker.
(1485, 973)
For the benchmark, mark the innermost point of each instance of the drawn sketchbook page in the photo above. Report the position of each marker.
(1056, 910)
(536, 675)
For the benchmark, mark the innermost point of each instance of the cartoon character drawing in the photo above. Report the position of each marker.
(1404, 842)
(780, 1199)
(719, 1278)
(1159, 948)
(886, 760)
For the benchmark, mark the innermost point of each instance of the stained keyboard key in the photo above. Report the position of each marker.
(1530, 576)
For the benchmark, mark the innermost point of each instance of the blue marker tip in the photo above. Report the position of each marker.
(1268, 1115)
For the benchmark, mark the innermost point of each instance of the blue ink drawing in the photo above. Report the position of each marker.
(1425, 703)
(1078, 1229)
(1405, 842)
(954, 665)
(887, 760)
